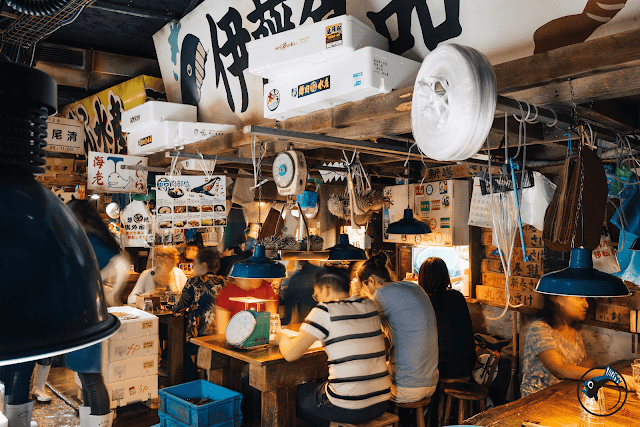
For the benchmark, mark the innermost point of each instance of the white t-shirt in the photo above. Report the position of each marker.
(146, 283)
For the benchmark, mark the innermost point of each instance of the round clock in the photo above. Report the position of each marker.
(283, 170)
(240, 327)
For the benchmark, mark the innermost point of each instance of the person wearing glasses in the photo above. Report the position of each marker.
(349, 328)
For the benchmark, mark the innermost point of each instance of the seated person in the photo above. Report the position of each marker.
(165, 276)
(296, 293)
(238, 288)
(411, 330)
(200, 293)
(457, 349)
(349, 328)
(553, 346)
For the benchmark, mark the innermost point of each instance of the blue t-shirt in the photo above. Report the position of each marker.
(413, 360)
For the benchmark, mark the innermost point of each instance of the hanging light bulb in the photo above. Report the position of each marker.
(580, 278)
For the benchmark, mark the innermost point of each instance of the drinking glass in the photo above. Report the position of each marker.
(164, 298)
(148, 305)
(636, 373)
(594, 406)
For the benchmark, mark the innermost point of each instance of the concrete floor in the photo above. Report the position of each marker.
(60, 414)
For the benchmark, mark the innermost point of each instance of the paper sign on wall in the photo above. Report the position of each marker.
(191, 201)
(105, 173)
(135, 220)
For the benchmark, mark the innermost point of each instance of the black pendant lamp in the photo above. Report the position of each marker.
(345, 251)
(52, 298)
(408, 224)
(580, 278)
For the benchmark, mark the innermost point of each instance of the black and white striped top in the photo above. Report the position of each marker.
(350, 331)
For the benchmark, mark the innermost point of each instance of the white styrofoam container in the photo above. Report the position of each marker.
(133, 322)
(290, 51)
(186, 132)
(139, 389)
(123, 370)
(351, 77)
(168, 135)
(157, 111)
(129, 348)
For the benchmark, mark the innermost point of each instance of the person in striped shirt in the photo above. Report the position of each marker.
(349, 328)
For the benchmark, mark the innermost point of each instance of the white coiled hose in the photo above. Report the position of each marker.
(454, 101)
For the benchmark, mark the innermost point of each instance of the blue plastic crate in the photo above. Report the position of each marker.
(225, 405)
(169, 421)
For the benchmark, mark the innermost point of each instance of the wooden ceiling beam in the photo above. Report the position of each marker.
(617, 51)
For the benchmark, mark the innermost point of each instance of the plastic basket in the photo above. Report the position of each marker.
(169, 421)
(225, 405)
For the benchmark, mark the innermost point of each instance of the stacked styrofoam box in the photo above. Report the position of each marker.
(328, 63)
(158, 126)
(130, 358)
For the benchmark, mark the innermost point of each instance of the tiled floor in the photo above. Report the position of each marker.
(60, 414)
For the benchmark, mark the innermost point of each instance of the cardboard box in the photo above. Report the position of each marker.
(130, 348)
(111, 104)
(123, 370)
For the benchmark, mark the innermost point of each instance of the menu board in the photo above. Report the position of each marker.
(191, 201)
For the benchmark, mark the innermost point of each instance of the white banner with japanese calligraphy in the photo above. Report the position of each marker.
(136, 220)
(191, 201)
(105, 173)
(204, 60)
(65, 135)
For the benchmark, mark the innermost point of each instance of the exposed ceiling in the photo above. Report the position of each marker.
(601, 76)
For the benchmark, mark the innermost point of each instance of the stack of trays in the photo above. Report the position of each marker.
(324, 64)
(222, 407)
(130, 358)
(157, 126)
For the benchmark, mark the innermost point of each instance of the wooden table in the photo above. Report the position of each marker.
(175, 345)
(268, 372)
(558, 406)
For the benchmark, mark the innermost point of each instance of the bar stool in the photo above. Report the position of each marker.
(440, 398)
(466, 393)
(383, 420)
(419, 408)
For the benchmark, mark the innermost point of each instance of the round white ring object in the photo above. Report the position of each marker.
(113, 210)
(239, 328)
(454, 101)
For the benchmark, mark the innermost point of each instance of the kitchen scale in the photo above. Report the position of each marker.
(249, 329)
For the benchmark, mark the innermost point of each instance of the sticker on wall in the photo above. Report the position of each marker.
(443, 187)
(445, 222)
(435, 205)
(419, 190)
(433, 223)
(446, 202)
(429, 189)
(424, 206)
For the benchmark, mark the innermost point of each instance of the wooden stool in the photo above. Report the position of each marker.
(418, 406)
(464, 392)
(383, 420)
(440, 398)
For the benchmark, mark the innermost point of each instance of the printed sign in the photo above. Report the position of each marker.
(136, 225)
(317, 85)
(191, 201)
(105, 173)
(334, 35)
(65, 135)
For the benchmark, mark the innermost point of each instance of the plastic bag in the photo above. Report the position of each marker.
(535, 200)
(630, 217)
(604, 256)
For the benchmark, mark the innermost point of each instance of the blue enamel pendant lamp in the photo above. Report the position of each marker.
(345, 251)
(408, 224)
(258, 266)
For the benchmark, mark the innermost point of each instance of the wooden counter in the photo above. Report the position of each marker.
(558, 406)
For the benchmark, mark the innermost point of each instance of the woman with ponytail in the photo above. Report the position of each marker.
(411, 330)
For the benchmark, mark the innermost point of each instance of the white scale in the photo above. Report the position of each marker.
(249, 329)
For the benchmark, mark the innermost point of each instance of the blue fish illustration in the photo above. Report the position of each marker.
(592, 386)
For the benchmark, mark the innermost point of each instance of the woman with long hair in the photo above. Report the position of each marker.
(455, 331)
